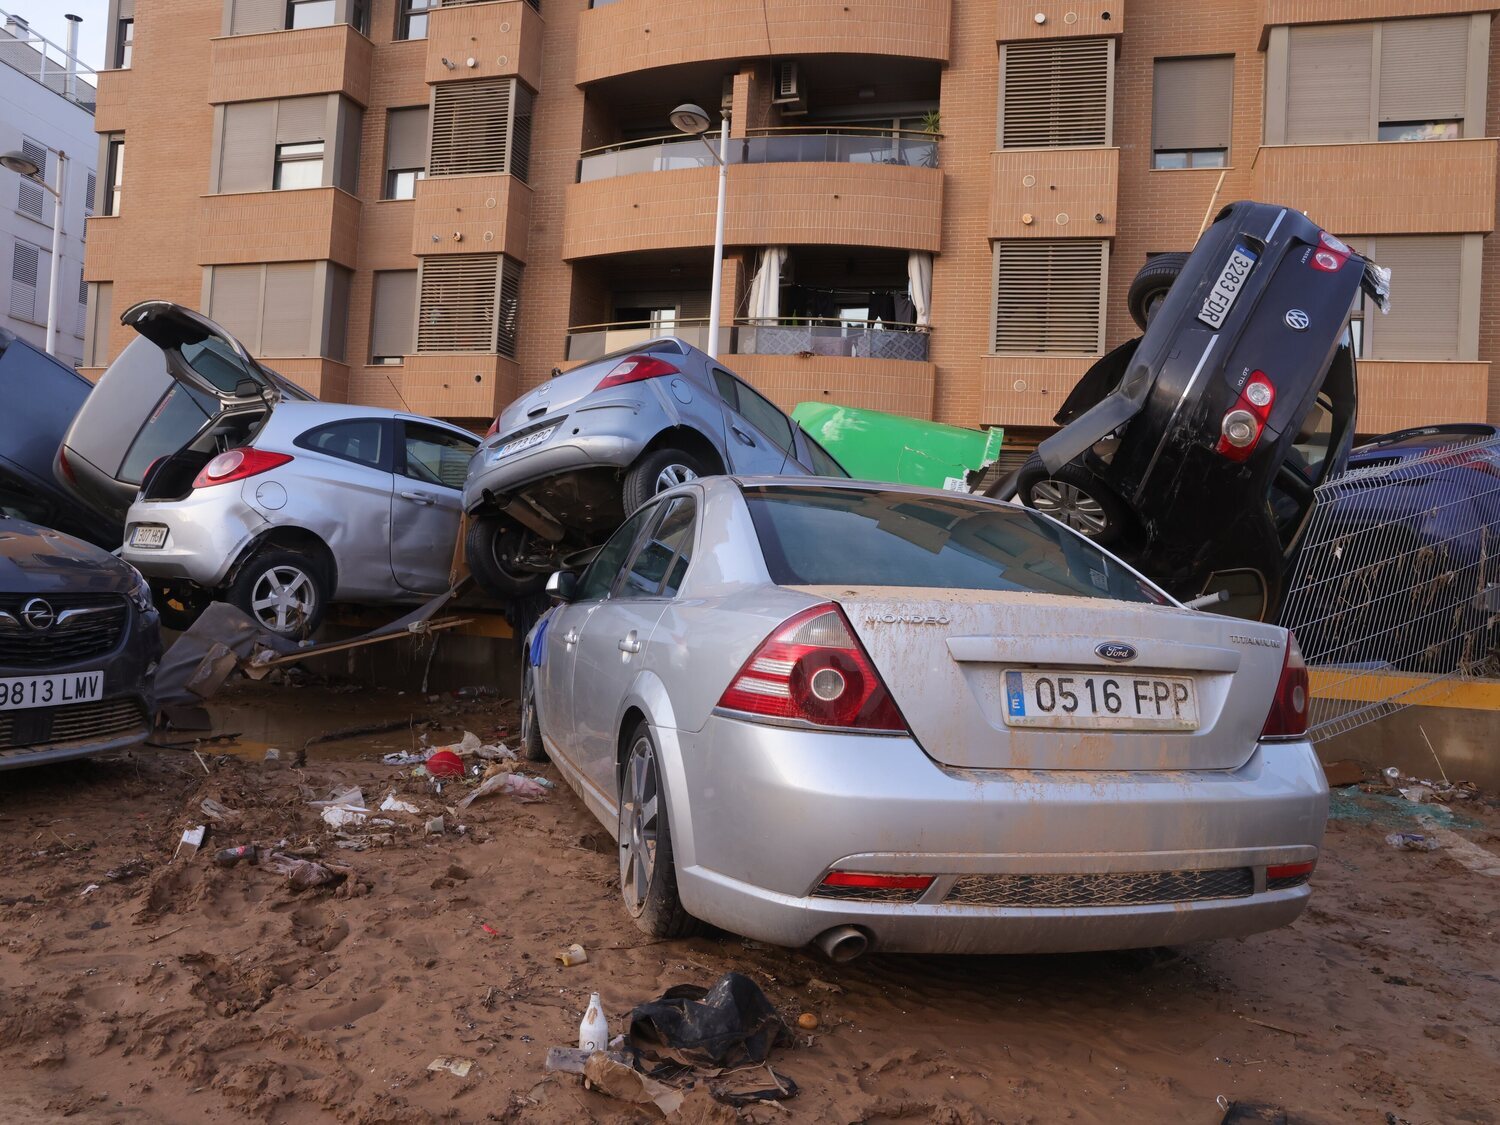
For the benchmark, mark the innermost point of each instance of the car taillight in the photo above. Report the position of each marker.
(1290, 873)
(1243, 423)
(237, 464)
(877, 881)
(811, 669)
(494, 428)
(1331, 254)
(634, 368)
(66, 466)
(1288, 715)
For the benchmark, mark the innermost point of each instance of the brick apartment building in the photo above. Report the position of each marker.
(934, 206)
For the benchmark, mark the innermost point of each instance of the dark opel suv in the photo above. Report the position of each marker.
(79, 641)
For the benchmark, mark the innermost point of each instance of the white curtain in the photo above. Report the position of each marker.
(765, 286)
(919, 275)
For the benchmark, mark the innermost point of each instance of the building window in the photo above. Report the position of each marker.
(1049, 296)
(31, 197)
(298, 166)
(97, 322)
(469, 303)
(288, 309)
(1056, 94)
(412, 23)
(29, 266)
(1191, 112)
(114, 173)
(80, 315)
(481, 126)
(124, 41)
(1437, 317)
(90, 191)
(405, 151)
(311, 13)
(1397, 80)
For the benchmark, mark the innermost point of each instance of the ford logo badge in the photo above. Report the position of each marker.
(1115, 650)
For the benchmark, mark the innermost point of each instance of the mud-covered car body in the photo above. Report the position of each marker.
(1216, 425)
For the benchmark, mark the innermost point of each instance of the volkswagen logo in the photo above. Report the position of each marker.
(38, 614)
(1115, 650)
(1297, 320)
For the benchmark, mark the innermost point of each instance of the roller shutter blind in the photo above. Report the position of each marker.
(1056, 94)
(406, 138)
(250, 16)
(247, 154)
(1423, 69)
(234, 302)
(469, 303)
(1191, 103)
(81, 313)
(96, 336)
(1424, 322)
(287, 322)
(1329, 74)
(475, 128)
(26, 271)
(301, 120)
(1049, 297)
(393, 327)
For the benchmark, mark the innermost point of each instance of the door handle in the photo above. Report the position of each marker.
(570, 638)
(423, 498)
(744, 438)
(629, 642)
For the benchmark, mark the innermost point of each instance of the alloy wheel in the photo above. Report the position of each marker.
(528, 709)
(672, 475)
(283, 599)
(640, 804)
(1069, 504)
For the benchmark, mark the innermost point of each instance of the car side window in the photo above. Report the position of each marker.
(763, 414)
(361, 440)
(436, 456)
(728, 388)
(823, 463)
(599, 578)
(659, 564)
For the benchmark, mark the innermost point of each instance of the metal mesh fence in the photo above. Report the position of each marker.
(1396, 591)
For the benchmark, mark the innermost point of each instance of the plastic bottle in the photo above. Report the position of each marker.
(230, 856)
(593, 1029)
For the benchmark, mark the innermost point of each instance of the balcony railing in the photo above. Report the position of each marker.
(839, 144)
(855, 339)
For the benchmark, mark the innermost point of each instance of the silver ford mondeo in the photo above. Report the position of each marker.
(898, 719)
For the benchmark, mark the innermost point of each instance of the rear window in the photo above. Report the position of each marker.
(180, 414)
(813, 536)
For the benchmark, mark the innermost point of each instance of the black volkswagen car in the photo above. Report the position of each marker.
(1194, 449)
(79, 642)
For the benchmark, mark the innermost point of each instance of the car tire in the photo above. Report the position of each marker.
(648, 871)
(531, 728)
(178, 605)
(658, 471)
(1150, 286)
(1074, 496)
(491, 543)
(285, 592)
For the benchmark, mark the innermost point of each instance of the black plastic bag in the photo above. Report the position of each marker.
(729, 1025)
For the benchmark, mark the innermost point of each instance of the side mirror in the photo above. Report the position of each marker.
(562, 586)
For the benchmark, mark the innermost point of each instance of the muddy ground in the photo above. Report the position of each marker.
(178, 991)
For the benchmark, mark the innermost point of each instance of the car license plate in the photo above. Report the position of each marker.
(20, 692)
(1086, 699)
(1231, 280)
(150, 536)
(526, 442)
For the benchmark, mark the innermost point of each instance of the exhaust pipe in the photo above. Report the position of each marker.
(842, 944)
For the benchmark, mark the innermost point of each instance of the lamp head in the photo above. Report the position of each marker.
(690, 119)
(21, 164)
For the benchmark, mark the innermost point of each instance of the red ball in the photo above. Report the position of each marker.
(445, 763)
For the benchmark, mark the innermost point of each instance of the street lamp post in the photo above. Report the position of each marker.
(23, 165)
(694, 121)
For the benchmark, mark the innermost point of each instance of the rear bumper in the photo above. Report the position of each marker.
(610, 437)
(770, 810)
(206, 533)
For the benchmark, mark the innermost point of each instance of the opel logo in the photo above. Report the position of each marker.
(1297, 320)
(38, 614)
(1115, 650)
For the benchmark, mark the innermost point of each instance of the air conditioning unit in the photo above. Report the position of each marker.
(788, 89)
(726, 95)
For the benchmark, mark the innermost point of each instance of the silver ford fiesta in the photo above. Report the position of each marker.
(898, 719)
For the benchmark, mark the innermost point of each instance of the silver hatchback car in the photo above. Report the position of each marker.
(899, 719)
(565, 463)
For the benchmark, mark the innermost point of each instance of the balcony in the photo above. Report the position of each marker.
(279, 226)
(483, 214)
(486, 40)
(1385, 187)
(834, 145)
(288, 64)
(112, 107)
(1064, 19)
(843, 339)
(633, 35)
(459, 384)
(1054, 193)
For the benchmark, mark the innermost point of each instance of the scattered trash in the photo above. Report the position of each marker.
(575, 954)
(130, 869)
(457, 1067)
(1240, 1113)
(392, 804)
(192, 840)
(593, 1029)
(444, 763)
(731, 1024)
(1416, 794)
(88, 890)
(345, 807)
(497, 753)
(572, 1060)
(621, 1081)
(228, 857)
(807, 1021)
(1412, 842)
(1391, 774)
(489, 929)
(544, 782)
(302, 874)
(1460, 850)
(272, 755)
(822, 986)
(435, 826)
(218, 813)
(517, 785)
(404, 758)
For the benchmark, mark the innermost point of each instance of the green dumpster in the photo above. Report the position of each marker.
(873, 445)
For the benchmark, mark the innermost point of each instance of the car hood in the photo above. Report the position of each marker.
(38, 560)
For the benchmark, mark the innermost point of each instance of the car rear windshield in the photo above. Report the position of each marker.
(812, 536)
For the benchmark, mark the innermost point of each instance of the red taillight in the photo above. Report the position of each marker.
(1243, 423)
(66, 466)
(494, 428)
(873, 879)
(1331, 255)
(813, 670)
(1288, 715)
(1290, 870)
(634, 368)
(237, 464)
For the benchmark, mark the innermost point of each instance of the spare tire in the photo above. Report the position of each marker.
(1150, 286)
